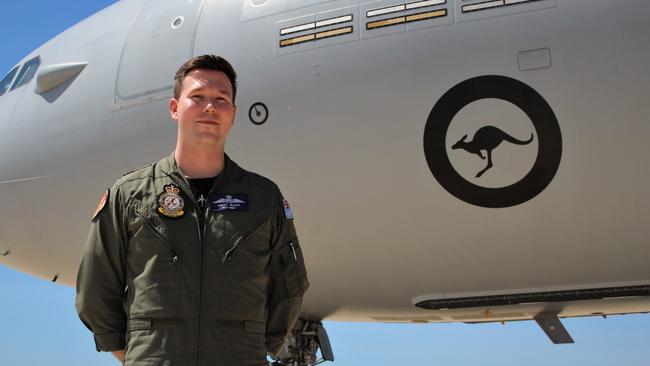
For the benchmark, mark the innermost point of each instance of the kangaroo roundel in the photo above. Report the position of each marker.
(493, 141)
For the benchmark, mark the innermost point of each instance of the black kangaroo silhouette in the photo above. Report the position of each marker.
(487, 138)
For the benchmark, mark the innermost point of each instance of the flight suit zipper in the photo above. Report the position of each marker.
(201, 232)
(227, 257)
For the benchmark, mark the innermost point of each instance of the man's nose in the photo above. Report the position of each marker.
(210, 107)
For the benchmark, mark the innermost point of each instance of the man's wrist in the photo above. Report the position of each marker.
(119, 355)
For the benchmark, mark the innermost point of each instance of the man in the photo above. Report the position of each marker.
(193, 260)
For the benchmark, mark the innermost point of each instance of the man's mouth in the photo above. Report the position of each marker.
(208, 122)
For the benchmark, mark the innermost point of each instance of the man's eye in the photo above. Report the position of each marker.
(223, 102)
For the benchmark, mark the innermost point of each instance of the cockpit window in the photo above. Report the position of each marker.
(27, 72)
(6, 81)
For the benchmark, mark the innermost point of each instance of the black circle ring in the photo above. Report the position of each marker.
(549, 139)
(253, 119)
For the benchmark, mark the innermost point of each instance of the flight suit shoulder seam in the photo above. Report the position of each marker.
(122, 182)
(262, 179)
(136, 174)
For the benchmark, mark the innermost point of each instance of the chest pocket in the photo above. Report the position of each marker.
(244, 272)
(253, 237)
(154, 266)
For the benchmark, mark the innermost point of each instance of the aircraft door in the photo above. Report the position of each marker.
(160, 40)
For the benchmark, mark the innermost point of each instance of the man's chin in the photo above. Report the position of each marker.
(205, 139)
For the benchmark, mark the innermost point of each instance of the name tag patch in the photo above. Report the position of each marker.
(229, 202)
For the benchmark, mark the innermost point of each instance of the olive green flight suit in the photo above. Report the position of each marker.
(174, 294)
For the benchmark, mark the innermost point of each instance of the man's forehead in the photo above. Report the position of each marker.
(202, 79)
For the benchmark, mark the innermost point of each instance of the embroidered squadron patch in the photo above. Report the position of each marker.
(229, 202)
(100, 205)
(287, 210)
(170, 202)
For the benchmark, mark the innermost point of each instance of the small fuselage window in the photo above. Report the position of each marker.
(27, 72)
(6, 81)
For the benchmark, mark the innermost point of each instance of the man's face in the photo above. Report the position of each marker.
(204, 110)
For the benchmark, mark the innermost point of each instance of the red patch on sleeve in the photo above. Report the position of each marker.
(101, 204)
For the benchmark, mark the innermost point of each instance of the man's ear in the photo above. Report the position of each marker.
(173, 108)
(234, 114)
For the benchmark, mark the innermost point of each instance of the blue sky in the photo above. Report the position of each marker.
(39, 326)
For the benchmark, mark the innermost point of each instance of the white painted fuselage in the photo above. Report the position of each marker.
(344, 141)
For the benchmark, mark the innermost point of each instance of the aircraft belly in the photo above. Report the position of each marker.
(484, 314)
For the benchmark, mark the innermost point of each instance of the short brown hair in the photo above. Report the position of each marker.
(205, 62)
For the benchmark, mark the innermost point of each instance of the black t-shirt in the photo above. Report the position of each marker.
(201, 189)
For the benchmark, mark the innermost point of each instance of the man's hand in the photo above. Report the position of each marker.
(119, 355)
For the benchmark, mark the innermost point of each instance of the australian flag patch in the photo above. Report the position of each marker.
(288, 213)
(229, 202)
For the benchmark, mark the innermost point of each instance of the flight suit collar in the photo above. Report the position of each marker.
(231, 172)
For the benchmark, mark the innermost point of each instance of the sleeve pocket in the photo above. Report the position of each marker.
(294, 270)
